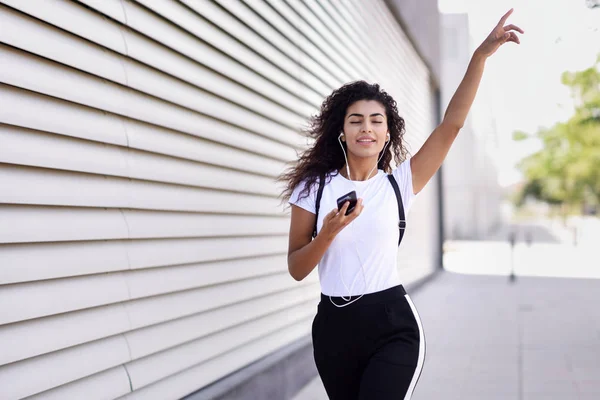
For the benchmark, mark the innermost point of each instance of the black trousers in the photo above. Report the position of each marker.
(372, 349)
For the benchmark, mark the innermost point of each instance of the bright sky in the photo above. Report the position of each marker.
(524, 80)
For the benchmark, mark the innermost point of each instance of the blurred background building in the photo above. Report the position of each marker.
(472, 194)
(142, 242)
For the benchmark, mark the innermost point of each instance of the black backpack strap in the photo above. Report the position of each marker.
(402, 221)
(318, 203)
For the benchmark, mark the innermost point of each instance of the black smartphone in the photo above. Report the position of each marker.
(351, 197)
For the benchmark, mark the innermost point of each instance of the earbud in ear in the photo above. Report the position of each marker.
(388, 136)
(342, 136)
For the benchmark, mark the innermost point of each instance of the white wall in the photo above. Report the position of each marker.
(142, 245)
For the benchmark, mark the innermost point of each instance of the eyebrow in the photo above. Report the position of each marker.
(360, 115)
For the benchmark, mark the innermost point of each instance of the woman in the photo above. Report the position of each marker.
(367, 336)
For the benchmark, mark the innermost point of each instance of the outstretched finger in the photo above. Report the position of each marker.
(513, 27)
(505, 17)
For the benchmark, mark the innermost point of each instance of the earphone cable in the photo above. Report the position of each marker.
(349, 297)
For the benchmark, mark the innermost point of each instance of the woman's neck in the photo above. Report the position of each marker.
(359, 171)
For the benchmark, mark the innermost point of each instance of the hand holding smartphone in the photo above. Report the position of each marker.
(351, 197)
(334, 222)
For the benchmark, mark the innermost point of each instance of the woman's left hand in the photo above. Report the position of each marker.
(500, 35)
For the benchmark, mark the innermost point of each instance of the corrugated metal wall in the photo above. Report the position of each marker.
(142, 245)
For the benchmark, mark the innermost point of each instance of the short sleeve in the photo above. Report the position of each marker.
(403, 175)
(306, 202)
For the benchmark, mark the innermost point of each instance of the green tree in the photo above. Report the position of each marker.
(566, 170)
(592, 3)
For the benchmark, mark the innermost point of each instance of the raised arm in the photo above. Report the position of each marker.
(429, 158)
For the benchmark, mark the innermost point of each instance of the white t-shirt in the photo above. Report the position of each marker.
(370, 240)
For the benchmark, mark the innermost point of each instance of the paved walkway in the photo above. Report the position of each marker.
(538, 338)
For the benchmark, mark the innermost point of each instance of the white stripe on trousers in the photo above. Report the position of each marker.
(421, 361)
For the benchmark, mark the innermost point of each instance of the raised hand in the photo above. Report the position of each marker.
(500, 34)
(337, 220)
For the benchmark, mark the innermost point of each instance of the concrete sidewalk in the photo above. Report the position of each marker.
(538, 338)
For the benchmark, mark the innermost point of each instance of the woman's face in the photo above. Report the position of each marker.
(365, 128)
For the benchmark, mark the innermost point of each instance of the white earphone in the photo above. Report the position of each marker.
(355, 246)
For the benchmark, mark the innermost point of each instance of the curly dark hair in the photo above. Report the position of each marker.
(326, 154)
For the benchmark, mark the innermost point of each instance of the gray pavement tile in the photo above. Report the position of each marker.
(587, 374)
(487, 396)
(589, 385)
(435, 394)
(549, 386)
(551, 396)
(313, 391)
(475, 385)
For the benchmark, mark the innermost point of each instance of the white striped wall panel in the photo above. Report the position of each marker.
(142, 241)
(216, 143)
(25, 147)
